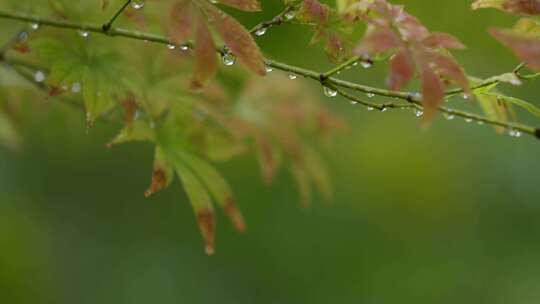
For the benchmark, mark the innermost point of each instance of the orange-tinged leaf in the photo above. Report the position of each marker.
(244, 5)
(207, 224)
(401, 70)
(432, 92)
(181, 21)
(443, 40)
(526, 48)
(205, 54)
(238, 40)
(162, 174)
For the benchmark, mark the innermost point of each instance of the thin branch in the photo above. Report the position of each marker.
(277, 20)
(412, 98)
(107, 26)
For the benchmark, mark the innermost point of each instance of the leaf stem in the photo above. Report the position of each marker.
(107, 26)
(412, 98)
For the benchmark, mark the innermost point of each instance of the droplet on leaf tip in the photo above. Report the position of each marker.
(184, 47)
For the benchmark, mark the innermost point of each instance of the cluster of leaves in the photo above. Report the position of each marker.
(392, 32)
(176, 102)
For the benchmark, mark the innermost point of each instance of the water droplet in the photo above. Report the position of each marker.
(329, 92)
(468, 120)
(366, 64)
(449, 116)
(84, 34)
(418, 113)
(354, 102)
(184, 47)
(290, 15)
(415, 95)
(39, 76)
(171, 46)
(515, 81)
(370, 95)
(384, 109)
(268, 68)
(292, 76)
(261, 31)
(480, 122)
(213, 1)
(466, 96)
(137, 4)
(514, 133)
(370, 108)
(76, 87)
(34, 26)
(228, 59)
(355, 63)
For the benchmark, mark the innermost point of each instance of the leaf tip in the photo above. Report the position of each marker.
(206, 222)
(235, 215)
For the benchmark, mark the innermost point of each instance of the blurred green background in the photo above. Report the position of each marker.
(450, 214)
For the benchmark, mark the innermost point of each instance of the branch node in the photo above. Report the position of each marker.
(323, 78)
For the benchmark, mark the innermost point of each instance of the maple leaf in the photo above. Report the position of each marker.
(414, 50)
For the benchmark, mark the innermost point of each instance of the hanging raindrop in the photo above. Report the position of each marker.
(260, 31)
(418, 113)
(384, 109)
(449, 116)
(213, 1)
(292, 76)
(466, 96)
(171, 46)
(268, 68)
(353, 102)
(184, 47)
(468, 120)
(370, 95)
(366, 64)
(39, 76)
(370, 108)
(34, 26)
(84, 34)
(228, 59)
(137, 4)
(290, 15)
(329, 92)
